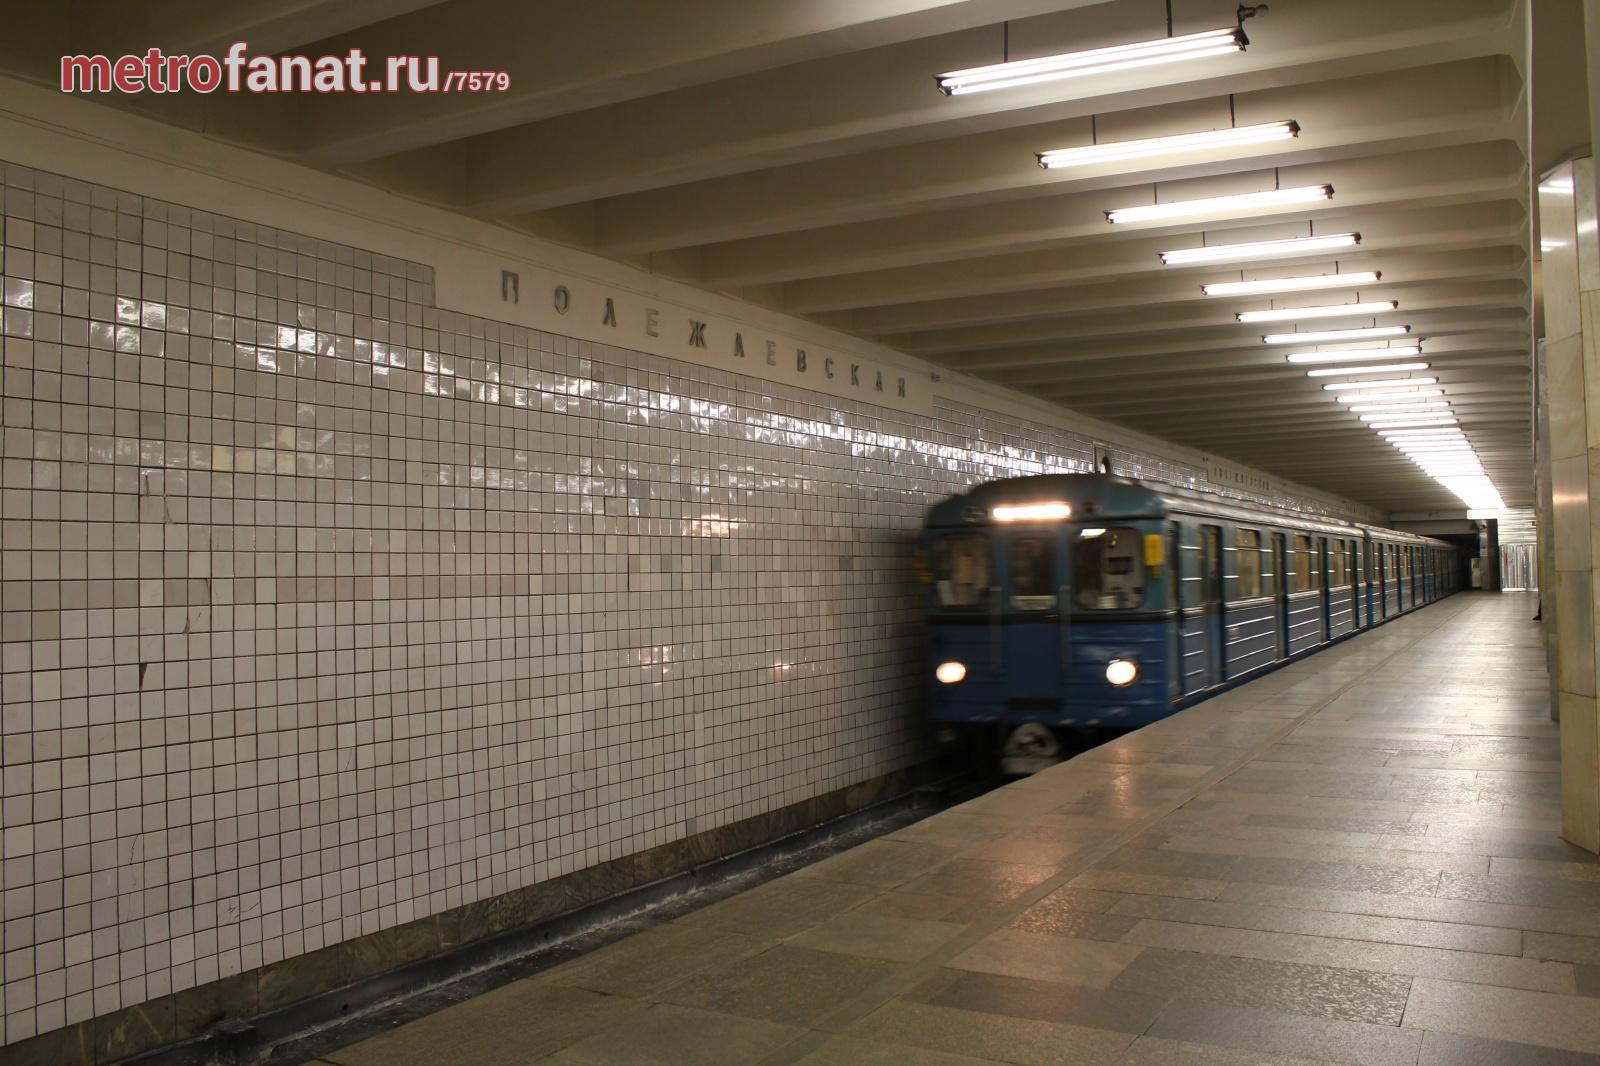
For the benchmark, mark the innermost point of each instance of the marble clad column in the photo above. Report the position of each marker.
(1571, 254)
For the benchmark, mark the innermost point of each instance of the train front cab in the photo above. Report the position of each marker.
(1049, 624)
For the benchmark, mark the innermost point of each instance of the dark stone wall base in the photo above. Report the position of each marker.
(227, 1020)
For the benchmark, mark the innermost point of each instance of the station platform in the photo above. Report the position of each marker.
(1354, 859)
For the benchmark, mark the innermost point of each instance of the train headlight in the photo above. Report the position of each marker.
(951, 672)
(1122, 672)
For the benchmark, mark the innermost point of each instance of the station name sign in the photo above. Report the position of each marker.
(539, 298)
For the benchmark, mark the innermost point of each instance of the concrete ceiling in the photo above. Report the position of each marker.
(797, 153)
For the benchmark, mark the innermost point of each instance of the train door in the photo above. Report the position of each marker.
(1280, 564)
(1032, 642)
(1320, 561)
(1211, 599)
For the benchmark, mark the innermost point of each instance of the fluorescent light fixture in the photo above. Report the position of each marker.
(1413, 422)
(1336, 336)
(1267, 286)
(1021, 72)
(1415, 395)
(1049, 511)
(1233, 253)
(1403, 351)
(1221, 206)
(1397, 416)
(1398, 437)
(1291, 314)
(1424, 405)
(1208, 140)
(1387, 368)
(1393, 383)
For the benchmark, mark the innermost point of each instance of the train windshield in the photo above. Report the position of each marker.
(1033, 573)
(1109, 569)
(961, 571)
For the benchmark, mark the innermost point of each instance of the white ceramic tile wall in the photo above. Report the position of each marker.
(323, 610)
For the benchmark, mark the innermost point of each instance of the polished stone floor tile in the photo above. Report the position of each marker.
(1047, 1001)
(1013, 953)
(1567, 1022)
(1293, 1035)
(858, 1052)
(990, 1036)
(1293, 988)
(1404, 959)
(788, 985)
(877, 936)
(1451, 1049)
(511, 1025)
(1456, 936)
(665, 1035)
(1155, 1051)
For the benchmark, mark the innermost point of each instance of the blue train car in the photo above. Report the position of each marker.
(1071, 601)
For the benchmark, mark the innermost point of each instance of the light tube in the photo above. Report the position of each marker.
(1387, 368)
(1049, 511)
(1093, 61)
(1401, 352)
(1115, 151)
(1558, 185)
(1291, 314)
(1267, 286)
(1414, 422)
(1336, 336)
(1398, 437)
(1232, 253)
(1365, 407)
(1221, 206)
(1384, 416)
(1391, 396)
(1385, 384)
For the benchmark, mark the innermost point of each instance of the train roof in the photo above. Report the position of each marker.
(1108, 496)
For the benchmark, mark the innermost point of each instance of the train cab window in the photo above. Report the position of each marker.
(1248, 543)
(1108, 569)
(1033, 573)
(961, 570)
(1300, 565)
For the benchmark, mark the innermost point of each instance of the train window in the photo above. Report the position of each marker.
(1300, 564)
(1033, 573)
(1108, 569)
(961, 570)
(1248, 541)
(1336, 557)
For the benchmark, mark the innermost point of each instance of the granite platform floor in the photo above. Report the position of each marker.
(1355, 859)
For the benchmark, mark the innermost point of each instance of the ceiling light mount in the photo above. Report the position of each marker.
(1222, 206)
(1118, 151)
(1280, 249)
(1017, 73)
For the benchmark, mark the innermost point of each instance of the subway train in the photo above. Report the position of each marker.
(1063, 603)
